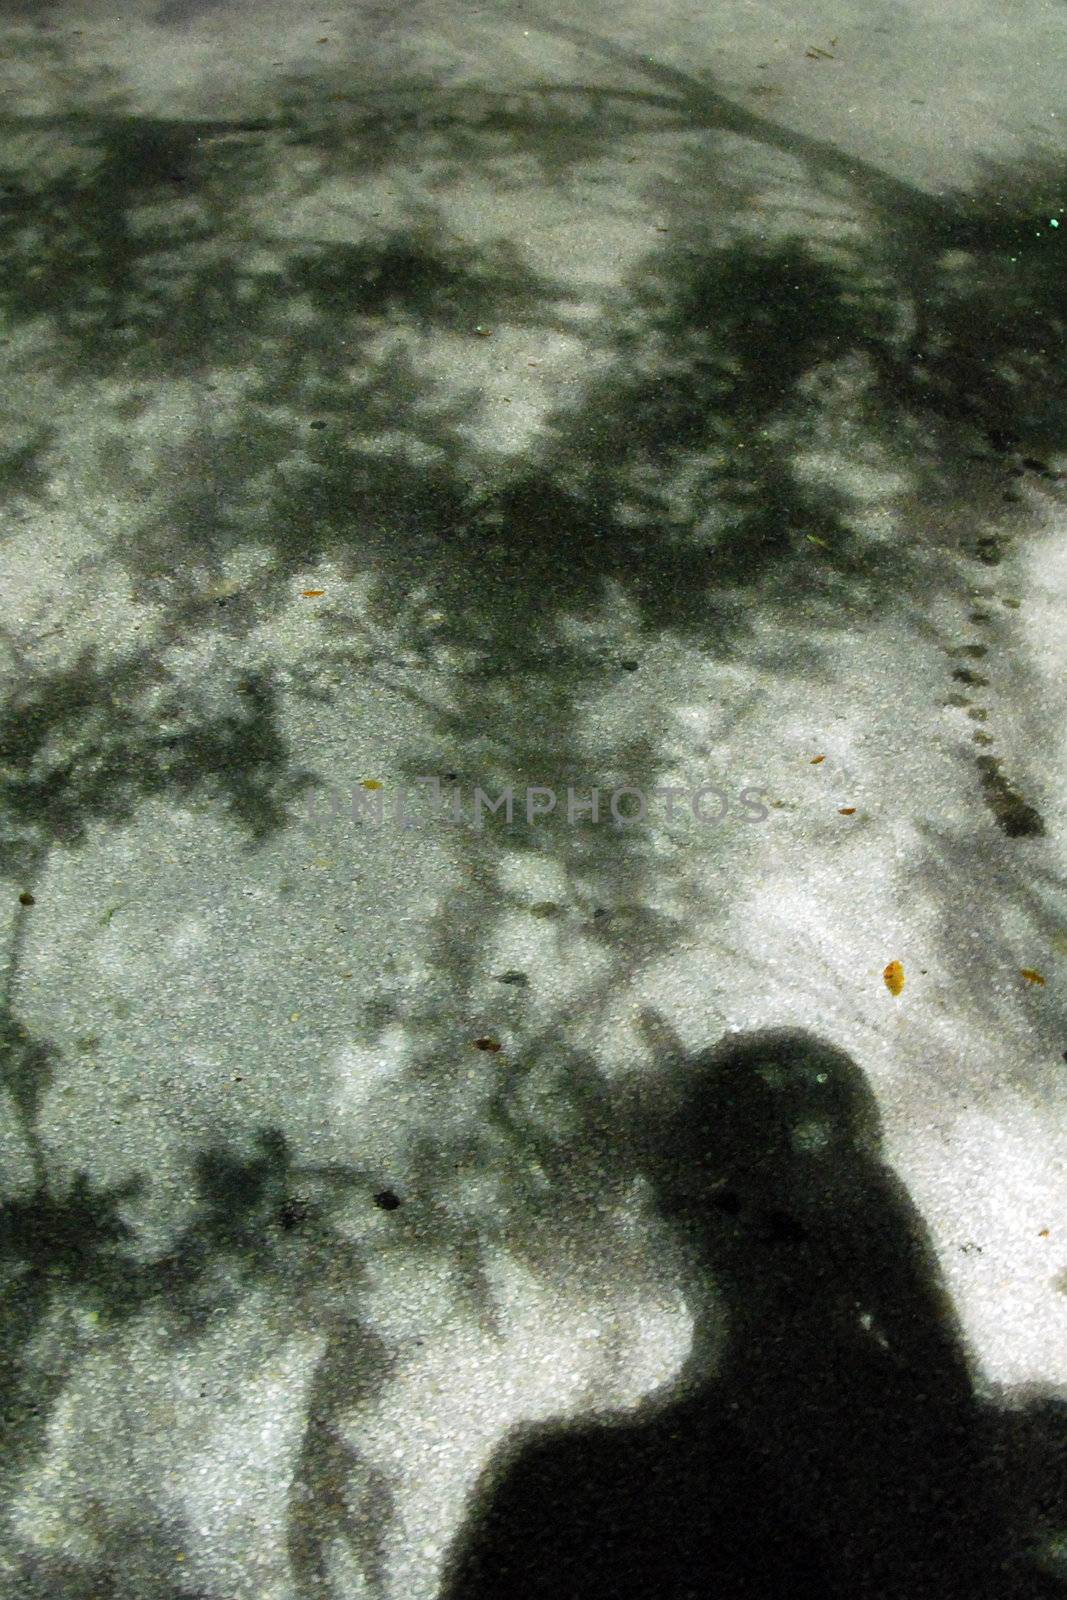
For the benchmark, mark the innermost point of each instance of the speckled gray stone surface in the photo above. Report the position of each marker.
(608, 399)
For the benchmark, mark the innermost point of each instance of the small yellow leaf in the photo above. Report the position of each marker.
(1030, 975)
(893, 977)
(371, 783)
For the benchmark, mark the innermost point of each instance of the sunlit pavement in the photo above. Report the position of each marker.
(415, 419)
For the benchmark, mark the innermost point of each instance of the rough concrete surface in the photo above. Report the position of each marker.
(600, 397)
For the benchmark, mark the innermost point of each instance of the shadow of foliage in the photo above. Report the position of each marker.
(140, 1557)
(27, 1071)
(259, 1219)
(92, 741)
(336, 1494)
(57, 1250)
(677, 481)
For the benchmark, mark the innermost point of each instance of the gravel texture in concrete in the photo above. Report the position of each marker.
(533, 692)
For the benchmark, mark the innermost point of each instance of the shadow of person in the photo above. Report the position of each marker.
(833, 1446)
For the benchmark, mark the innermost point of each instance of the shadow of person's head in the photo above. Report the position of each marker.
(767, 1162)
(773, 1112)
(843, 1362)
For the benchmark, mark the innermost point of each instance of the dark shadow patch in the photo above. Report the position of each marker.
(179, 14)
(836, 1448)
(92, 741)
(1014, 815)
(24, 466)
(336, 1494)
(56, 1248)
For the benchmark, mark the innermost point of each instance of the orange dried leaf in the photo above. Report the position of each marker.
(846, 811)
(893, 977)
(1030, 975)
(815, 760)
(312, 594)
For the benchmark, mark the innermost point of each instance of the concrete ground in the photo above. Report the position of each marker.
(596, 397)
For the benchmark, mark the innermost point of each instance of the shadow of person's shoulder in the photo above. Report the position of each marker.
(644, 1504)
(1029, 1453)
